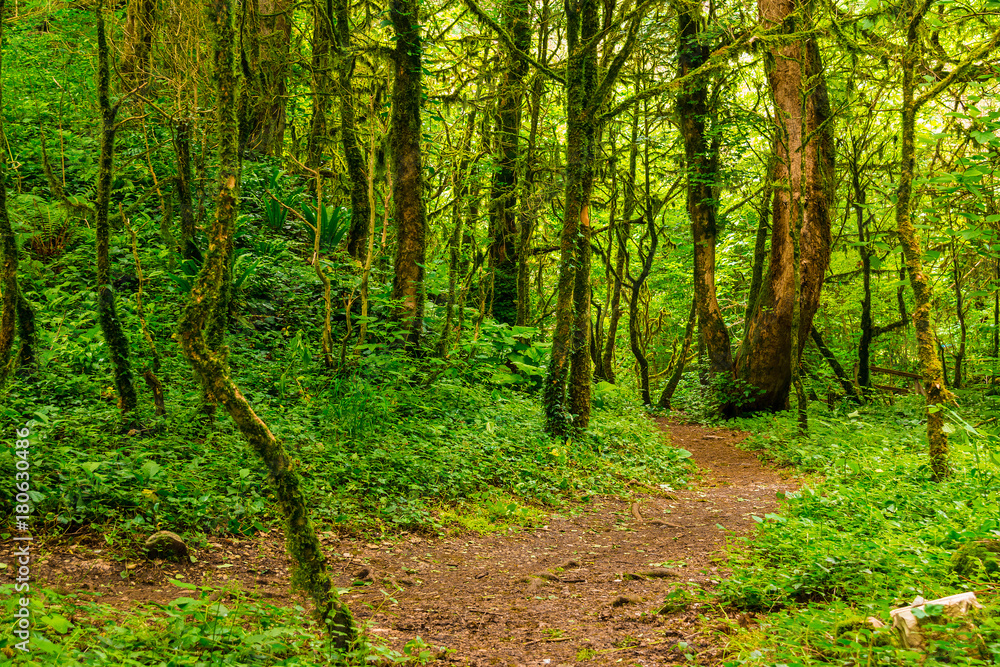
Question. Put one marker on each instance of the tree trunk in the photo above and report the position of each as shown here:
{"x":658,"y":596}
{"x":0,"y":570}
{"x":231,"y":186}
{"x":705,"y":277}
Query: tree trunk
{"x":570,"y":344}
{"x":931,"y":367}
{"x":760,"y":245}
{"x":504,"y":246}
{"x":321,"y":70}
{"x":803,"y":148}
{"x":960,"y":311}
{"x":864,"y":377}
{"x":358,"y":232}
{"x":208,"y":295}
{"x":182,"y":145}
{"x":701,"y":161}
{"x":265,"y":37}
{"x":407,"y":176}
{"x":667,"y":395}
{"x":137,"y":41}
{"x":620,"y":235}
{"x":831,"y":359}
{"x":114,"y":336}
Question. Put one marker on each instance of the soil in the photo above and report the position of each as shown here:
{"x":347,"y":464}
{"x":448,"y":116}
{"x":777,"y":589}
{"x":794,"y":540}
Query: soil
{"x":609,"y":582}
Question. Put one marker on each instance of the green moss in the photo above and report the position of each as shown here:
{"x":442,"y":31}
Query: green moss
{"x":976,"y":558}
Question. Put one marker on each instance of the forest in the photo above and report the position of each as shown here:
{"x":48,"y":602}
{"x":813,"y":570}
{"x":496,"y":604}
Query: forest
{"x":496,"y":332}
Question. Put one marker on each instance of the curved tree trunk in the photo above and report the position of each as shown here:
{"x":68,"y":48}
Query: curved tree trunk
{"x":803,"y":148}
{"x":209,"y":295}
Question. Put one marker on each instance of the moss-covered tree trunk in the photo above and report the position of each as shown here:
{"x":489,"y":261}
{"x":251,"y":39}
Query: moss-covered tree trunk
{"x":570,"y":344}
{"x":407,"y":173}
{"x":114,"y":335}
{"x":357,"y":235}
{"x":701,"y":162}
{"x":621,"y":233}
{"x":931,"y":368}
{"x":210,"y":293}
{"x":265,"y":36}
{"x":803,"y":172}
{"x":137,"y":42}
{"x":185,"y":198}
{"x":503,"y":250}
{"x":566,"y":395}
{"x":322,"y":76}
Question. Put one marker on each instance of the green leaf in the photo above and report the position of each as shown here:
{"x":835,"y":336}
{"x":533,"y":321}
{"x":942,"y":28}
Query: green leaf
{"x":57,"y":622}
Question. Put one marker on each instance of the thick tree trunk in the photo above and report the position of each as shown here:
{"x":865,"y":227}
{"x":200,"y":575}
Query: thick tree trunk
{"x":114,"y":336}
{"x":701,"y":158}
{"x":322,"y":70}
{"x":210,"y":294}
{"x":803,"y":148}
{"x":265,"y":38}
{"x":570,"y":339}
{"x":407,"y":176}
{"x":504,"y":244}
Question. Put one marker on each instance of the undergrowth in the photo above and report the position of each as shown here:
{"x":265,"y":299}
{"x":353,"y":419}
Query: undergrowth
{"x":867,"y":531}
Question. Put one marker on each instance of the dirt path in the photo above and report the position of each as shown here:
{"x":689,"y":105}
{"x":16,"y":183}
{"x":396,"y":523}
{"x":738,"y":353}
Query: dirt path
{"x":584,"y":587}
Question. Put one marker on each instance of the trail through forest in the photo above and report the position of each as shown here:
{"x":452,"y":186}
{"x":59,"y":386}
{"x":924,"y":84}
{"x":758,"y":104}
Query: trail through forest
{"x":586,"y":586}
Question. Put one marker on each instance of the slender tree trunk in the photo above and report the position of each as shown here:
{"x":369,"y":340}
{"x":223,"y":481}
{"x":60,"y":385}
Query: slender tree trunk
{"x":358,"y":179}
{"x":803,"y":148}
{"x":114,"y":336}
{"x":864,"y":249}
{"x":182,"y":145}
{"x":527,"y":182}
{"x":667,"y":395}
{"x":931,"y":367}
{"x":407,"y":284}
{"x":621,"y":232}
{"x":701,"y":158}
{"x":208,"y":295}
{"x":960,"y":312}
{"x":831,"y":359}
{"x":760,"y":244}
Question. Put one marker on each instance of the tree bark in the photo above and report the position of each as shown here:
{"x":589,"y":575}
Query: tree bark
{"x":701,"y":162}
{"x":620,"y":234}
{"x":114,"y":335}
{"x":803,"y":148}
{"x":504,"y":246}
{"x":357,"y":177}
{"x":137,"y":42}
{"x":931,"y":367}
{"x":208,"y":295}
{"x":960,"y":313}
{"x":182,"y":146}
{"x":265,"y":38}
{"x":570,"y":345}
{"x":321,"y":70}
{"x":667,"y":395}
{"x":407,"y":174}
